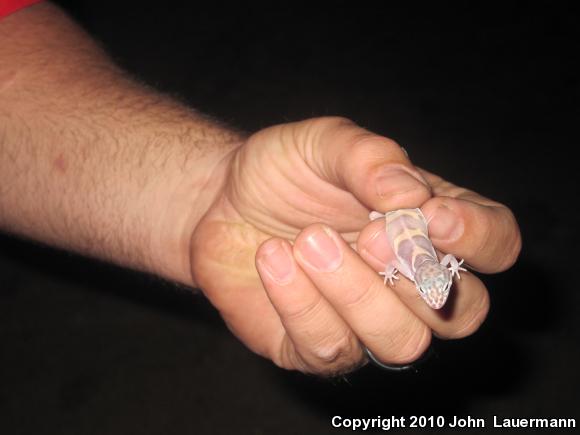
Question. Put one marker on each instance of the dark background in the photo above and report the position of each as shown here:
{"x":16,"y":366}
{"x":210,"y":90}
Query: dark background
{"x":485,"y":97}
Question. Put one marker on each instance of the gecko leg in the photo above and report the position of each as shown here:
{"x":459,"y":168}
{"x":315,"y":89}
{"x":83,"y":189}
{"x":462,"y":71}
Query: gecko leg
{"x":390,"y":274}
{"x":454,"y":265}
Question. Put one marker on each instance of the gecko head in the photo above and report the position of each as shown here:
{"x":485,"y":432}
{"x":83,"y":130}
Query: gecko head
{"x":433,"y":282}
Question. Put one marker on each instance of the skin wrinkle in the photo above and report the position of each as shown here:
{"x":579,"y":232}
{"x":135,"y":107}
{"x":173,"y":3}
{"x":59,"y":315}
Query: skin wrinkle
{"x":309,"y":153}
{"x":322,"y":209}
{"x":362,"y":297}
{"x":287,"y":357}
{"x":305,"y":312}
{"x":338,"y":363}
{"x":237,"y":190}
{"x":301,"y":166}
{"x":229,"y":261}
{"x":258,"y":212}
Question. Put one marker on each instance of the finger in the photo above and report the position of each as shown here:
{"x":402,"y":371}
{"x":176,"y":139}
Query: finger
{"x":373,"y":168}
{"x":483,"y":232}
{"x":317,"y":339}
{"x":380,"y":320}
{"x":486,"y":236}
{"x":468,"y":302}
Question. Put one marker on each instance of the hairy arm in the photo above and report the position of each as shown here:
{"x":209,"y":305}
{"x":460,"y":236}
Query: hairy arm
{"x":94,"y":162}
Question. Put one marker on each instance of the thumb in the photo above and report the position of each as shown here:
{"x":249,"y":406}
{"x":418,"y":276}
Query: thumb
{"x":375,"y":169}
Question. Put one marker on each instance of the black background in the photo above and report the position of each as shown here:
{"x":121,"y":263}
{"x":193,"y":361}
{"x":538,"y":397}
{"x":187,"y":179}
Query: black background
{"x":486,"y":97}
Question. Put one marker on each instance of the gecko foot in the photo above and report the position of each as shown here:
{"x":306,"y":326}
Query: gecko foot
{"x":390,"y":274}
{"x":454,"y":265}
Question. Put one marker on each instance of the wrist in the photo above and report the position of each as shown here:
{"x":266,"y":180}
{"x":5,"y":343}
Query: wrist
{"x":181,"y":202}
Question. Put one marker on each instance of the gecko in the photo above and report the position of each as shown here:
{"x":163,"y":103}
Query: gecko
{"x":415,"y":256}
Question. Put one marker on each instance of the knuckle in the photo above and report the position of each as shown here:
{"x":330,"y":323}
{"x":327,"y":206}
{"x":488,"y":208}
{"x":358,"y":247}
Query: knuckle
{"x":364,"y":145}
{"x":327,"y":124}
{"x":302,"y":312}
{"x":307,"y":136}
{"x":336,"y":121}
{"x":335,"y":356}
{"x":335,"y":350}
{"x":356,"y":138}
{"x":453,"y":191}
{"x":332,"y":120}
{"x":364,"y":295}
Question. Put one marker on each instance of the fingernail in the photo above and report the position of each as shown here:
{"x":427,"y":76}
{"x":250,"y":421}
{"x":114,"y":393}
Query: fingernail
{"x":445,"y":224}
{"x":275,"y":259}
{"x":376,"y":246}
{"x":395,"y":180}
{"x":321,"y":251}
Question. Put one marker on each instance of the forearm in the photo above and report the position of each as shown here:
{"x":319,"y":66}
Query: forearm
{"x":90,"y":160}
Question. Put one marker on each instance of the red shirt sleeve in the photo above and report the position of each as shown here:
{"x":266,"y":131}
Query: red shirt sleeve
{"x":8,"y":7}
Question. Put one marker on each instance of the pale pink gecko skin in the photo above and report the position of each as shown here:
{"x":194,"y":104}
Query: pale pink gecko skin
{"x":416,"y":258}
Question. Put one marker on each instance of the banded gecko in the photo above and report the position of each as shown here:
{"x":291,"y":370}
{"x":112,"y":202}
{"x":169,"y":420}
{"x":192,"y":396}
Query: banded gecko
{"x":415,"y":256}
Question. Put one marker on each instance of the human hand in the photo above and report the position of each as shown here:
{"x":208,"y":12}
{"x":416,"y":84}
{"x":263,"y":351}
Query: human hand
{"x":287,"y":255}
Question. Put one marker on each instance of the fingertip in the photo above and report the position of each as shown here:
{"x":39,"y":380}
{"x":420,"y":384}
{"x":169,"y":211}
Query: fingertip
{"x":275,"y":262}
{"x":418,"y":349}
{"x":516,"y":243}
{"x":375,"y":169}
{"x":445,"y":217}
{"x":479,"y":316}
{"x":319,"y":248}
{"x":396,"y":186}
